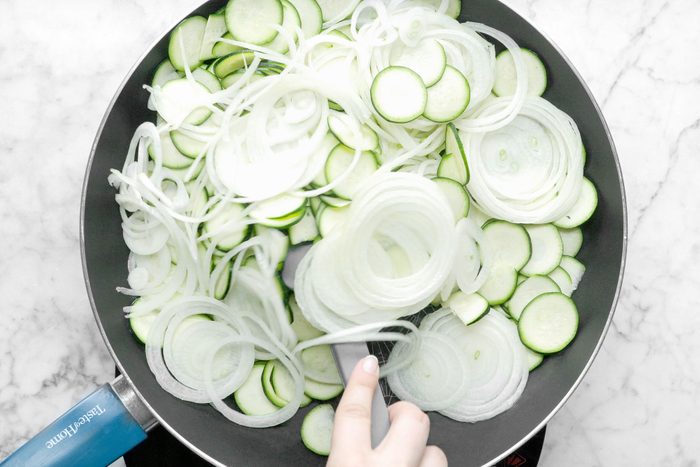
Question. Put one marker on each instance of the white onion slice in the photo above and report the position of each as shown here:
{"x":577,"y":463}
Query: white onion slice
{"x":338,"y":277}
{"x":530,"y":171}
{"x":496,"y":364}
{"x":436,"y":378}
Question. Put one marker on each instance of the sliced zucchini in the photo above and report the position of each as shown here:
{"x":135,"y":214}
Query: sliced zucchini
{"x":305,"y":230}
{"x":172,"y":158}
{"x":453,"y":145}
{"x":534,"y":359}
{"x":207,"y":78}
{"x":232,"y":63}
{"x":268,"y":69}
{"x":468,"y":308}
{"x":563,"y":280}
{"x":450,"y":167}
{"x":500,"y":285}
{"x":547,"y":249}
{"x":211,"y":82}
{"x":337,"y":10}
{"x":448,"y":98}
{"x":428,"y":59}
{"x":164,"y":73}
{"x":316,"y":204}
{"x":398,"y":94}
{"x":279,"y":207}
{"x":337,"y":33}
{"x":269,"y":391}
{"x":352,"y":133}
{"x":311,"y":16}
{"x":214,"y":30}
{"x":182,"y":173}
{"x":186,"y":42}
{"x":327,"y":145}
{"x":303,"y":329}
{"x":279,"y":386}
{"x":575,"y":269}
{"x":334,"y":201}
{"x":183,"y":100}
{"x":338,"y":163}
{"x":583,"y":209}
{"x":141,"y":325}
{"x":278,"y":243}
{"x":572,"y":240}
{"x":328,"y":218}
{"x":250,"y":397}
{"x":347,"y":30}
{"x":506,"y":78}
{"x":187,"y":145}
{"x":549,"y":323}
{"x":457,"y":197}
{"x":233,"y":78}
{"x":478,"y":216}
{"x":321,"y":391}
{"x":234,"y":234}
{"x":320,"y":360}
{"x":222,"y":49}
{"x":285,"y":222}
{"x":527,"y":291}
{"x":254,"y":21}
{"x":509,"y":243}
{"x":317,"y":428}
{"x":290,"y":24}
{"x":224,"y":283}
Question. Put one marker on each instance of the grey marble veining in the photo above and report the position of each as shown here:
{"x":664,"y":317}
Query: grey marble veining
{"x":62,"y":62}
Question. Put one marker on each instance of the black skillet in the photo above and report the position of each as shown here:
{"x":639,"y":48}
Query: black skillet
{"x":219,"y":441}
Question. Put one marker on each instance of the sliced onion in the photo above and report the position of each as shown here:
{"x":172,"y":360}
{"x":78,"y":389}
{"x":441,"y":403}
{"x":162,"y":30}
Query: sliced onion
{"x":477,"y":122}
{"x":495,"y":358}
{"x":436,"y":377}
{"x":339,"y":278}
{"x":472,"y":262}
{"x":161,"y":335}
{"x":530,"y":171}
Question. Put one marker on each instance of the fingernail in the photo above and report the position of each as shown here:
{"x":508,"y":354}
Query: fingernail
{"x":370,"y":364}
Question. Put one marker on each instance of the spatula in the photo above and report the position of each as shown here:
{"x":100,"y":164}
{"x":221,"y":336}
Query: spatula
{"x":346,"y":355}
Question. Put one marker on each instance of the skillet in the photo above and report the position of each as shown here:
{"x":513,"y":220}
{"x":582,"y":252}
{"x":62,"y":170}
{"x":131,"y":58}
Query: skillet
{"x":117,"y":416}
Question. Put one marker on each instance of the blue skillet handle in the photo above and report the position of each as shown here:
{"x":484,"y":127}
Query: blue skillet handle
{"x":95,"y":432}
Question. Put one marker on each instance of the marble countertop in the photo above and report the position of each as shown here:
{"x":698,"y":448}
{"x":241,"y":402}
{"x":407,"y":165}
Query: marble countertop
{"x":62,"y":64}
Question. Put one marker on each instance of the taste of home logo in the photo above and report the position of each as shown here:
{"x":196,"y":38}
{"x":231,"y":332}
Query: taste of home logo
{"x":515,"y":460}
{"x":72,"y":429}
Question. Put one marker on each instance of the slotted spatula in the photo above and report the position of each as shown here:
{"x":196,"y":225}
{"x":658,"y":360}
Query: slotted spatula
{"x":346,"y":355}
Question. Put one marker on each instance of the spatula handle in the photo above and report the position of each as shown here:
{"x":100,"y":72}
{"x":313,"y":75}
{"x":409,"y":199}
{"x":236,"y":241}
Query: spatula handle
{"x":346,"y":357}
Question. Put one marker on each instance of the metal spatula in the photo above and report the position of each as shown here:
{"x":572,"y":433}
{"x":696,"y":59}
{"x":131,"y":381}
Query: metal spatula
{"x":346,"y":355}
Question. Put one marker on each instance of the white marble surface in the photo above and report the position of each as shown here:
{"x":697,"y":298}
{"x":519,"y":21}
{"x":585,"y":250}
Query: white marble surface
{"x":62,"y":61}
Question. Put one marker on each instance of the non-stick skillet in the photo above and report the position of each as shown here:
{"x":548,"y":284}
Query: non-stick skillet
{"x":117,"y":416}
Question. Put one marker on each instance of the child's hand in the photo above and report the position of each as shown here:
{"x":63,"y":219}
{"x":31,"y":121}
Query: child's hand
{"x":404,"y":445}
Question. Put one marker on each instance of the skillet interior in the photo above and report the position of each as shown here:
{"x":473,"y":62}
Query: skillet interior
{"x":217,"y":439}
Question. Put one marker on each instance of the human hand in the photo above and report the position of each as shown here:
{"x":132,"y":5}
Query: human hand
{"x":404,"y":445}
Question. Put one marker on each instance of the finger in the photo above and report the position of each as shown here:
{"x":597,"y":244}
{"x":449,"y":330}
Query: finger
{"x":408,"y":433}
{"x":433,"y":457}
{"x":353,"y":418}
